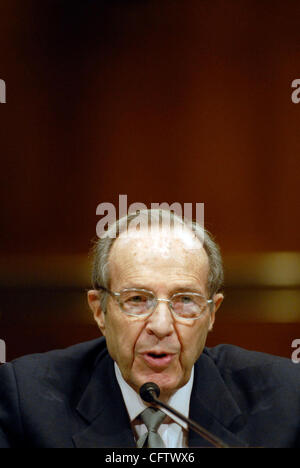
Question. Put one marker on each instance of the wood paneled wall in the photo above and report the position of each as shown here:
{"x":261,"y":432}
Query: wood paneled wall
{"x":163,"y":101}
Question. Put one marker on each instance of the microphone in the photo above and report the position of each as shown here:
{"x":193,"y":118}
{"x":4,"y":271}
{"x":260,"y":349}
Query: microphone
{"x":150,"y":392}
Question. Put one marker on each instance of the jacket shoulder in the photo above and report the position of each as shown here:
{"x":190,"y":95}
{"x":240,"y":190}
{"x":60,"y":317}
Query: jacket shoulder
{"x":39,"y":390}
{"x":254,"y":368}
{"x":63,"y":363}
{"x":235,"y":358}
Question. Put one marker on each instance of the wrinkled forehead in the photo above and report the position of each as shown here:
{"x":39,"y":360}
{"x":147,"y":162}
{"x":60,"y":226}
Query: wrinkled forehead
{"x":159,"y":242}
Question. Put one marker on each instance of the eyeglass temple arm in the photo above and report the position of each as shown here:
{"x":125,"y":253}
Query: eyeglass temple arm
{"x":103,"y":288}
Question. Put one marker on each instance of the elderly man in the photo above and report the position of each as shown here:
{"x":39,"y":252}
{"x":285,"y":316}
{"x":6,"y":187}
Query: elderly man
{"x":156,"y":291}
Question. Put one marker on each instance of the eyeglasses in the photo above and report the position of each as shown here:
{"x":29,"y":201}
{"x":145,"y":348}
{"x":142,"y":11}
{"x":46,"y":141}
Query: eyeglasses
{"x":141,"y":303}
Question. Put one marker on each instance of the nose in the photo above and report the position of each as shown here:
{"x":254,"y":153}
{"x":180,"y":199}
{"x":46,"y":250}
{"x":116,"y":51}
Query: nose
{"x":161,"y":321}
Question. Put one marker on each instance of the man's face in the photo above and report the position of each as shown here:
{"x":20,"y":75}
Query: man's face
{"x":164,"y":262}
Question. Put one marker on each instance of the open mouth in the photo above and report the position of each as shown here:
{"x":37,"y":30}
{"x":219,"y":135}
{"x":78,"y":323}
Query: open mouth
{"x":157,"y":356}
{"x":158,"y":360}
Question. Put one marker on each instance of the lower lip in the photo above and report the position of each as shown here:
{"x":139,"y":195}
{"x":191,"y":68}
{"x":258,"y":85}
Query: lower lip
{"x":159,"y":362}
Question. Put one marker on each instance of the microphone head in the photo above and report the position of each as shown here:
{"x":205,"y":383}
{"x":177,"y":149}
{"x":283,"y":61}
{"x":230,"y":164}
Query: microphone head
{"x":147,"y":390}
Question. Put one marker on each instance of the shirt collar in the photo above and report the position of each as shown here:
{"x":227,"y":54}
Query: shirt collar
{"x":180,"y":400}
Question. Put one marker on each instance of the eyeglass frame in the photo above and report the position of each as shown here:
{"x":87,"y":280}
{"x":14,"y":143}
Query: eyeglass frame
{"x":117,"y":295}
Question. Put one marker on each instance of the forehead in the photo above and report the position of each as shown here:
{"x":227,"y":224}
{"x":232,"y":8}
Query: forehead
{"x":171,"y":252}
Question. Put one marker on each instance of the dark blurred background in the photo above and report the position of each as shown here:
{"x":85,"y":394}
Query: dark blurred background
{"x":183,"y":101}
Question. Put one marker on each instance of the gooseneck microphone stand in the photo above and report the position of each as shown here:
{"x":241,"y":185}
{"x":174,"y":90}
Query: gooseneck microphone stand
{"x":150,"y":392}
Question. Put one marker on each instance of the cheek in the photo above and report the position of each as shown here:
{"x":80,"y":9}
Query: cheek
{"x":121,"y":336}
{"x":193,"y":340}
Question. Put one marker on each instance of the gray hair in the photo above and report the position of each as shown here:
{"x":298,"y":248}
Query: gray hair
{"x":103,"y":245}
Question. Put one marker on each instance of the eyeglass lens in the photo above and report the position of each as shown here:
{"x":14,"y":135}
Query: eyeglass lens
{"x":185,"y":305}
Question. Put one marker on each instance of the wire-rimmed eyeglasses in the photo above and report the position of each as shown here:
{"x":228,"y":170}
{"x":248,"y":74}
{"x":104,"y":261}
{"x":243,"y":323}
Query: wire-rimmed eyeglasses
{"x":141,"y":303}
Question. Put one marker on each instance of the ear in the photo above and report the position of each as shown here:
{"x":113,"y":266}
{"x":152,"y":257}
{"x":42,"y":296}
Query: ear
{"x":93,"y":298}
{"x":218,"y":299}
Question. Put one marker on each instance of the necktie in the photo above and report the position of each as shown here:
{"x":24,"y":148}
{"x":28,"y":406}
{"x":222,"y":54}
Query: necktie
{"x":152,"y":418}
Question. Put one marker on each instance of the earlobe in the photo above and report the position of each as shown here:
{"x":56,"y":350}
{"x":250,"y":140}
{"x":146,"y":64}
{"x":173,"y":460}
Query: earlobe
{"x":95,"y":306}
{"x":211,"y":321}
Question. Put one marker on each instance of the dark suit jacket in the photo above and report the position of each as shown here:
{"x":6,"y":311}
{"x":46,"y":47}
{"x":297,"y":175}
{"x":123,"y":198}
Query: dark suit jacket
{"x":70,"y":398}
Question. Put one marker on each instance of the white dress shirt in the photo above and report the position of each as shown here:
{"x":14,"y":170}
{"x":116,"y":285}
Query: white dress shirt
{"x":172,"y":430}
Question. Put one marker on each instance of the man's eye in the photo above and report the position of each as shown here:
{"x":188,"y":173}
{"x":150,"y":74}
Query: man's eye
{"x":137,"y":299}
{"x":186,"y":299}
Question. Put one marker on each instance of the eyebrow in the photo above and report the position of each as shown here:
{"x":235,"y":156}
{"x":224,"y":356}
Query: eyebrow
{"x":174,"y":290}
{"x":187,"y":289}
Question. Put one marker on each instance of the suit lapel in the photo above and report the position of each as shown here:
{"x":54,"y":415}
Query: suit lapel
{"x":103,"y":408}
{"x":213,"y":406}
